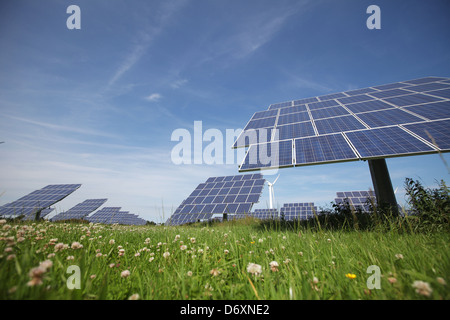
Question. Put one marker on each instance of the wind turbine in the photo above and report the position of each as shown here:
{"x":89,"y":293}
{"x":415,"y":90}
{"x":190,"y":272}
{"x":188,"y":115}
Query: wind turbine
{"x":271,"y":194}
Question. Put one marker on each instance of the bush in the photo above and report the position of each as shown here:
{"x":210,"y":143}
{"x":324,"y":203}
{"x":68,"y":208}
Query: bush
{"x":431,"y":207}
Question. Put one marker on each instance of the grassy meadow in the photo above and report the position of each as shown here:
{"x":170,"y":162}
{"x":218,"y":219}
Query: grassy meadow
{"x":235,"y":260}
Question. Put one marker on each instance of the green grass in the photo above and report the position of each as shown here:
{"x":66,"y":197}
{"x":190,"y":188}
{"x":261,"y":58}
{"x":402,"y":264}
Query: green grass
{"x":313,"y":262}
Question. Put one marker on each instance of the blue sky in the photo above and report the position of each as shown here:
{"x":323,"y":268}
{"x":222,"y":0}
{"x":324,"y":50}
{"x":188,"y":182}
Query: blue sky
{"x":98,"y":106}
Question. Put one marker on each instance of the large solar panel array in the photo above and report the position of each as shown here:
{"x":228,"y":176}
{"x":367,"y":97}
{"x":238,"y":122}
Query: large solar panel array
{"x":298,"y":211}
{"x":110,"y":215}
{"x":262,"y":214}
{"x":219,"y":195}
{"x":124,"y":217}
{"x":80,"y":211}
{"x":358,"y":200}
{"x":397,"y":119}
{"x":37,"y":200}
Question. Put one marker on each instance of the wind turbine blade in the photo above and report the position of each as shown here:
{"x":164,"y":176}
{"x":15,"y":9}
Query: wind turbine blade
{"x":276,"y":179}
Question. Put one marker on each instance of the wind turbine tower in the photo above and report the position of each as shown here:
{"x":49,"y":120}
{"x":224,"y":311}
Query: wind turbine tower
{"x":271,"y":193}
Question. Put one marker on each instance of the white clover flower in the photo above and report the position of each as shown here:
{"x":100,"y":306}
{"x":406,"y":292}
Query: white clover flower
{"x":166,"y":254}
{"x":125,"y":274}
{"x":134,"y":297}
{"x":423,"y":288}
{"x":274,"y":266}
{"x":254,"y":268}
{"x":76,"y":245}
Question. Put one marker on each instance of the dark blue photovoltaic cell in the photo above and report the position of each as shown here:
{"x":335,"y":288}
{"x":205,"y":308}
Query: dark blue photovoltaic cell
{"x":411,"y":99}
{"x":303,"y":101}
{"x":280,"y":105}
{"x":429,"y":86}
{"x":387,"y":117}
{"x":264,"y":114}
{"x":326,"y":148}
{"x":299,"y":108}
{"x":268,"y":155}
{"x":354,"y":99}
{"x":365,"y":106}
{"x":332,"y":96}
{"x":390,"y":93}
{"x":384,"y":142}
{"x":338,"y":124}
{"x":296,"y":130}
{"x":253,"y":136}
{"x":328,"y":112}
{"x":293,"y":117}
{"x":432,"y":111}
{"x":360,"y":91}
{"x":261,"y":123}
{"x":436,"y":132}
{"x":322,"y":104}
{"x":445,"y":93}
{"x":392,"y":86}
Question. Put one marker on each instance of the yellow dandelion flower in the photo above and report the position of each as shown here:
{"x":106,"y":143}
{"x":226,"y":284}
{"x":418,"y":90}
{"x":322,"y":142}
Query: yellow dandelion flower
{"x":351,"y":275}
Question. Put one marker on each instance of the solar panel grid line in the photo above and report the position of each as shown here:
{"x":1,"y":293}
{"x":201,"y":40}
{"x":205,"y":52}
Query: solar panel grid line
{"x":312,"y":120}
{"x":353,"y":114}
{"x":387,"y":117}
{"x":280,"y":105}
{"x":441,"y":93}
{"x":430,"y":143}
{"x":436,"y":132}
{"x":279,"y":155}
{"x":387,"y":142}
{"x":432,"y":111}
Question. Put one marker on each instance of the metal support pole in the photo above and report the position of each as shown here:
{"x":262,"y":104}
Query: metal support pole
{"x":382,"y":185}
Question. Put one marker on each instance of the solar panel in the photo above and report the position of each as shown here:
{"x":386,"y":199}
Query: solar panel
{"x":219,"y":195}
{"x":298,"y":211}
{"x":80,"y":210}
{"x":386,"y":142}
{"x":375,"y":122}
{"x":37,"y":200}
{"x":268,"y":155}
{"x":435,"y":132}
{"x":103,"y":215}
{"x":357,"y":200}
{"x":321,"y":149}
{"x":265,"y":214}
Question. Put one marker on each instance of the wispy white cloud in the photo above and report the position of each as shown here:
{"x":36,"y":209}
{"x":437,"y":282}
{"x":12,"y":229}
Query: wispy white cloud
{"x":153,"y":97}
{"x":61,"y":128}
{"x":145,"y":38}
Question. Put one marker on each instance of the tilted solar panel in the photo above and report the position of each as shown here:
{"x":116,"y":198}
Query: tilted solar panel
{"x":376,"y":122}
{"x":219,"y":195}
{"x":80,"y":210}
{"x":356,"y":200}
{"x":38,"y":200}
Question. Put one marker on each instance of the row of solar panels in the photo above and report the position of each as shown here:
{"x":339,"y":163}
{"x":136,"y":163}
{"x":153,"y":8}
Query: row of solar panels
{"x":404,"y":118}
{"x":38,"y":203}
{"x":358,"y":200}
